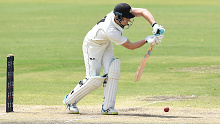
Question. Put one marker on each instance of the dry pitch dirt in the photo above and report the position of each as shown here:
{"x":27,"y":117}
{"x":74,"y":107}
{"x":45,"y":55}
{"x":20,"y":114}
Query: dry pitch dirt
{"x":91,"y":114}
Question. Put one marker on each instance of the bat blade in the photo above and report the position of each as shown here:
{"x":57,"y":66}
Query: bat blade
{"x":143,"y":63}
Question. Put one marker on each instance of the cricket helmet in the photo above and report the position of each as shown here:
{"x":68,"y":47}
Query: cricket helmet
{"x":123,"y":10}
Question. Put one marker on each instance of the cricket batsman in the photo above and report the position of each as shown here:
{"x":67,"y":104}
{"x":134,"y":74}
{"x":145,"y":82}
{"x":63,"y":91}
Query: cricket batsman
{"x":98,"y":51}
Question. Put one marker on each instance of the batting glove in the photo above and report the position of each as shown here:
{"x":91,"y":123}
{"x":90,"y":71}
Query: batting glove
{"x":159,"y":38}
{"x":150,"y":39}
{"x":157,"y":30}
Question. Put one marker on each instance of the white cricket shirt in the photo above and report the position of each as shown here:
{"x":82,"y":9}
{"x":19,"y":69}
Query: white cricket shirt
{"x":107,"y":30}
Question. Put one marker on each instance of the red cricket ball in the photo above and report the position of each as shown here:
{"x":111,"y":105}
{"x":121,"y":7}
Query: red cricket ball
{"x":166,"y":109}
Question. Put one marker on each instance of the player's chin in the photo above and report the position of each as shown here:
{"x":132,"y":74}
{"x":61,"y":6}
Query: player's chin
{"x":126,"y":24}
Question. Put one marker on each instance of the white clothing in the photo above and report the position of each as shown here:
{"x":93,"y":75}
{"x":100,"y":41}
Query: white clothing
{"x":97,"y":46}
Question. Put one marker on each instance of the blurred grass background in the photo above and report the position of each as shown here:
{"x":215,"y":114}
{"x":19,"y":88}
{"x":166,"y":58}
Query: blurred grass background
{"x":46,"y":38}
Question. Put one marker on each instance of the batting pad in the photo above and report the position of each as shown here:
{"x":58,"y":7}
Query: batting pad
{"x":110,"y":88}
{"x":79,"y":85}
{"x":90,"y":85}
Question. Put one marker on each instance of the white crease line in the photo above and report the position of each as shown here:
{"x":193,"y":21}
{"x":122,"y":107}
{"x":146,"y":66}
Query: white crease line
{"x":133,"y":107}
{"x":149,"y":103}
{"x":97,"y":115}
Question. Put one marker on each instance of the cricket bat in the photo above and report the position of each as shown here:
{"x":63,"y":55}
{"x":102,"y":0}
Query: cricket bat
{"x":143,"y":62}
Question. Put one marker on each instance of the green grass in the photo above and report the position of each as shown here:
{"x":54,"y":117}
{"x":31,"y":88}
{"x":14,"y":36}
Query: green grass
{"x":46,"y":39}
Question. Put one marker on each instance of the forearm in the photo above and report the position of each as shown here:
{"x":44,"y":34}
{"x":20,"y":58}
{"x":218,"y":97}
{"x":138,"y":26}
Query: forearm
{"x":134,"y":45}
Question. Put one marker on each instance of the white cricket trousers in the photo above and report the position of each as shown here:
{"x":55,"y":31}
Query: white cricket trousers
{"x":97,"y":55}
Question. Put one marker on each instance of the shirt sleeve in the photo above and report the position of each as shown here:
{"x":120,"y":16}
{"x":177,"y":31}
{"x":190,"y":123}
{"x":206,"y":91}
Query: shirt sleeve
{"x":116,"y":37}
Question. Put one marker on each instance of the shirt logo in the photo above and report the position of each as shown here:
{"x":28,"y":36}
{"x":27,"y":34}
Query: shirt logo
{"x":92,"y":58}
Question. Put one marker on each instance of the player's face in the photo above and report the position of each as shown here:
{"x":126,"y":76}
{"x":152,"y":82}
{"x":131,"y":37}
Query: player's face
{"x":125,"y":21}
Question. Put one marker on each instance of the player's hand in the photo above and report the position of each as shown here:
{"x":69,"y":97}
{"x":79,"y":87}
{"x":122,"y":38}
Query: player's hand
{"x":150,"y":39}
{"x":159,"y":38}
{"x":158,"y":30}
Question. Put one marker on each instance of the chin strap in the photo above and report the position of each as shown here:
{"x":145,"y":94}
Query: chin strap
{"x":120,"y":20}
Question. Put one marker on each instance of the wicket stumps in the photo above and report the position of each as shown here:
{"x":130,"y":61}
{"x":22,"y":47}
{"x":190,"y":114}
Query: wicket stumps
{"x":10,"y":83}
